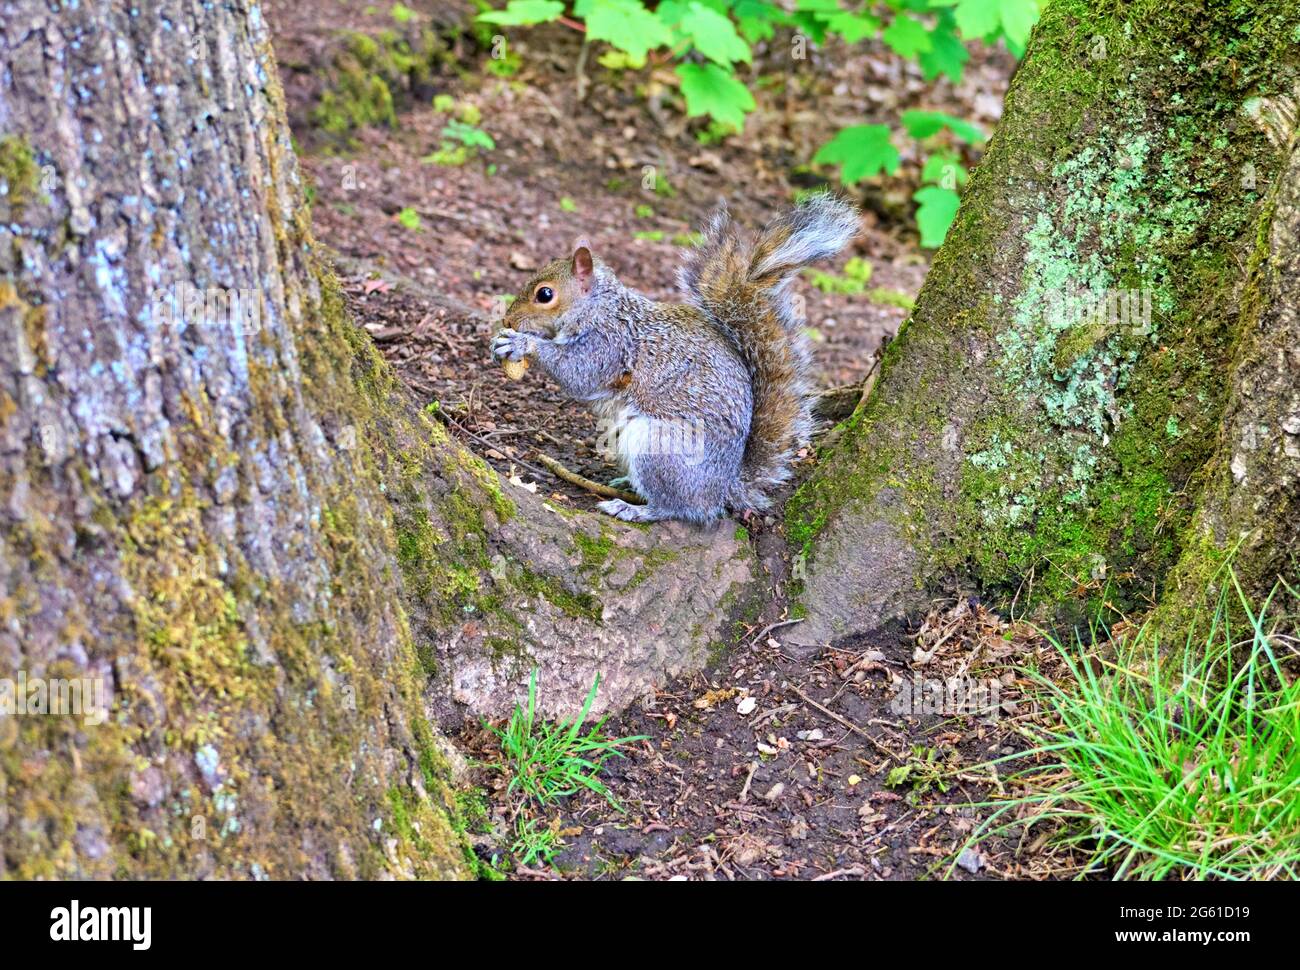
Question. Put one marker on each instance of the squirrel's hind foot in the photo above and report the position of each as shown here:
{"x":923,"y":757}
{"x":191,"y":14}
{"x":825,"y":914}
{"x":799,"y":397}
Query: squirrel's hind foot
{"x":631,"y":513}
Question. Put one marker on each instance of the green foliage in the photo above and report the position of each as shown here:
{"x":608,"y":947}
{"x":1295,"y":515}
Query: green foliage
{"x":709,"y":90}
{"x":535,"y":842}
{"x":409,"y":219}
{"x":547,"y":761}
{"x":461,"y":139}
{"x":857,"y":273}
{"x":937,"y":207}
{"x":862,"y":151}
{"x":468,"y":135}
{"x":711,"y":39}
{"x":1179,"y":764}
{"x":523,"y":13}
{"x":711,"y":33}
{"x":922,"y":771}
{"x":947,"y":54}
{"x":923,"y":124}
{"x":945,"y":170}
{"x":625,"y":24}
{"x":1013,"y":19}
{"x":907,"y":38}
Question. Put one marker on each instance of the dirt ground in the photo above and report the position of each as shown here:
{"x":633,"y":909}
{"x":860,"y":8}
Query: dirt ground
{"x":767,"y":765}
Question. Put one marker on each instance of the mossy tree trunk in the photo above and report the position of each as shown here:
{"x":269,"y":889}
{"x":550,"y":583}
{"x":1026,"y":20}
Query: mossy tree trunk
{"x":1248,"y":511}
{"x":217,"y":507}
{"x":1106,"y":316}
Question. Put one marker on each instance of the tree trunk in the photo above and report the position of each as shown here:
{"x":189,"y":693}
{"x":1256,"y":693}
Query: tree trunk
{"x":217,"y":506}
{"x":1047,"y":422}
{"x":1248,"y":513}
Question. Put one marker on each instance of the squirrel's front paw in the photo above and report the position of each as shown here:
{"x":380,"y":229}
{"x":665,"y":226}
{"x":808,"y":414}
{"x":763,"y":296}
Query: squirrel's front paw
{"x":512,"y":345}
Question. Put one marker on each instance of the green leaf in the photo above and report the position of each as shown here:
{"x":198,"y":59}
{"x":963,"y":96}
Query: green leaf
{"x":468,"y":135}
{"x":986,"y":18}
{"x":672,"y":11}
{"x":938,"y":208}
{"x":907,"y":37}
{"x":862,"y":151}
{"x":756,"y":19}
{"x":945,"y":170}
{"x":1018,"y":19}
{"x":521,"y":13}
{"x":409,"y":218}
{"x":709,"y":90}
{"x":810,"y":16}
{"x":923,"y":124}
{"x":626,"y":24}
{"x":620,"y":61}
{"x":714,"y":35}
{"x":978,"y":18}
{"x":402,"y":13}
{"x":853,"y":27}
{"x":947,"y":55}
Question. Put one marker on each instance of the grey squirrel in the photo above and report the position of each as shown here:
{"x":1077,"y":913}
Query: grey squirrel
{"x":709,"y":399}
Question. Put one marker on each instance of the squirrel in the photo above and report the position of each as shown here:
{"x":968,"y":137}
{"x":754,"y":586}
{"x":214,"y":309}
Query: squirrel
{"x":709,"y":399}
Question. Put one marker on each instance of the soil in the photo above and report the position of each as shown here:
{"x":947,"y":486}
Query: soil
{"x":426,"y":252}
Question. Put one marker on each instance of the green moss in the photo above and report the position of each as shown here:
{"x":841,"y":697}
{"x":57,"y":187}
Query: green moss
{"x":650,"y":562}
{"x":594,"y":550}
{"x":20,"y":176}
{"x":209,"y":654}
{"x":1119,"y":163}
{"x":581,"y":605}
{"x":371,"y":74}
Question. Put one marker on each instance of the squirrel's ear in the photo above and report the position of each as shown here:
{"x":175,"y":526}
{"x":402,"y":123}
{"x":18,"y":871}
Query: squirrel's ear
{"x":582,"y":268}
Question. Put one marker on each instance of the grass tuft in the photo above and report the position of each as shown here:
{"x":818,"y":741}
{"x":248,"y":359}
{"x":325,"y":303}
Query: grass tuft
{"x":1183,"y":765}
{"x":546,"y":762}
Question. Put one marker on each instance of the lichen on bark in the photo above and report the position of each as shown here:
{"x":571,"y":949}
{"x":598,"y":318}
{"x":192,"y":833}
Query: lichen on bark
{"x":1017,"y":440}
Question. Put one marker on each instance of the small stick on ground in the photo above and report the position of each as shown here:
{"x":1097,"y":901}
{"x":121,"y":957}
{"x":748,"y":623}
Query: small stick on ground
{"x":848,"y":724}
{"x":774,"y":626}
{"x":858,"y":871}
{"x":573,"y":478}
{"x":749,"y":780}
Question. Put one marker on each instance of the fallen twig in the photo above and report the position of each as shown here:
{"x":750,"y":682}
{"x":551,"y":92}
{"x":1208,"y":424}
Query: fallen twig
{"x":749,"y":779}
{"x":573,"y":478}
{"x":842,"y":722}
{"x":858,"y":871}
{"x":774,"y":626}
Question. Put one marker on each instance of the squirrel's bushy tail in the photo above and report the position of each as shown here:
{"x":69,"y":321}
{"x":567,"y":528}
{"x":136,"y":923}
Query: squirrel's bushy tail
{"x":743,"y":287}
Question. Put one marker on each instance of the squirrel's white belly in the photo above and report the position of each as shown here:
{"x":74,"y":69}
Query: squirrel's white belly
{"x":628,"y":436}
{"x":625,"y":433}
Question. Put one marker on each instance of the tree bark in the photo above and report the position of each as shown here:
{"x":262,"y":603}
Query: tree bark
{"x":234,"y":522}
{"x":1047,"y":422}
{"x":1248,"y":514}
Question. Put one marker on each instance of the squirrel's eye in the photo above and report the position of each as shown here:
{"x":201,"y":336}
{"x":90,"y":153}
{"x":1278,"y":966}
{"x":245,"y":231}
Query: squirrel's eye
{"x":544,"y":294}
